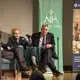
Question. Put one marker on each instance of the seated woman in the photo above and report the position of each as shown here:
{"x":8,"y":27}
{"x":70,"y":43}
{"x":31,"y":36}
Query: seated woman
{"x":14,"y":45}
{"x":17,"y":53}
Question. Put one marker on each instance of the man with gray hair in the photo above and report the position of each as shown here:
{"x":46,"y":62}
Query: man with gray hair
{"x":45,"y":41}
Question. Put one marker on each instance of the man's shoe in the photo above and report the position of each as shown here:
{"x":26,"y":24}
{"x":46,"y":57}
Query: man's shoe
{"x":34,"y":67}
{"x":57,"y":73}
{"x":25,"y":75}
{"x":43,"y":70}
{"x":25,"y":68}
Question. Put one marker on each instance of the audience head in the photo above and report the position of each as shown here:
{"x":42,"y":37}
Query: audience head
{"x":16,"y":33}
{"x":44,"y":29}
{"x":78,"y":76}
{"x":37,"y":75}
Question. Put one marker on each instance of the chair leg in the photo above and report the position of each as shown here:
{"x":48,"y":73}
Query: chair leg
{"x":0,"y":74}
{"x":15,"y":72}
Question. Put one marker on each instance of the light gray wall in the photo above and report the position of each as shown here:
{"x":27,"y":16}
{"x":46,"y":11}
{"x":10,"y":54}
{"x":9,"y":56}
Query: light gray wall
{"x":16,"y":13}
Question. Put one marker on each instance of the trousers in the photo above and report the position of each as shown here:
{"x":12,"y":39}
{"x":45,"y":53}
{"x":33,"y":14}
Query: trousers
{"x":16,"y":53}
{"x":45,"y":59}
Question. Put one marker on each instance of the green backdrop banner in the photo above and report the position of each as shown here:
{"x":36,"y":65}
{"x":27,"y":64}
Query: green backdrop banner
{"x":50,"y":12}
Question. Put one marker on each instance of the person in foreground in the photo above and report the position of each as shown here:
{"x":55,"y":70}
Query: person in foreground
{"x":37,"y":75}
{"x":77,"y":76}
{"x":45,"y":41}
{"x":15,"y":46}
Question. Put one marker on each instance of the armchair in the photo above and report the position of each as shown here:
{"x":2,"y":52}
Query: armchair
{"x":4,"y":63}
{"x":8,"y":65}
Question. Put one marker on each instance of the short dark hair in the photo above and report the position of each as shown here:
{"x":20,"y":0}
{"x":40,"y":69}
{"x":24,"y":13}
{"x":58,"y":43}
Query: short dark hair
{"x":37,"y":75}
{"x":78,"y":76}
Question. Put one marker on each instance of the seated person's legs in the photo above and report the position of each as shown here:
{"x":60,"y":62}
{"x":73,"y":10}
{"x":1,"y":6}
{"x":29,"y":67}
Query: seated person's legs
{"x":26,"y":56}
{"x":50,"y":63}
{"x":34,"y":64}
{"x":34,"y":60}
{"x":31,"y":56}
{"x":7,"y":55}
{"x":34,"y":57}
{"x":18,"y":54}
{"x":42,"y":62}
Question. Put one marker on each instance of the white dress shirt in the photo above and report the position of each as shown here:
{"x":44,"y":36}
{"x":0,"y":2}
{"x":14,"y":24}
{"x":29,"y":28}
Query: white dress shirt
{"x":41,"y":41}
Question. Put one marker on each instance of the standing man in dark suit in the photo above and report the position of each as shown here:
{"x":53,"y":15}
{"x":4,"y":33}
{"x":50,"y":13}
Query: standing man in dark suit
{"x":45,"y":41}
{"x":15,"y":42}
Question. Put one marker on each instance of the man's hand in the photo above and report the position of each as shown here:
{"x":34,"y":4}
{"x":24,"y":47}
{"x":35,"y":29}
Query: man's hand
{"x":20,"y":46}
{"x":1,"y":48}
{"x":8,"y":48}
{"x":48,"y":45}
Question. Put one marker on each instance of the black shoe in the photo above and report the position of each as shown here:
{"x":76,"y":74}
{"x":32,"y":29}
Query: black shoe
{"x":25,"y":68}
{"x":25,"y":75}
{"x":43,"y":70}
{"x":57,"y":73}
{"x":34,"y":67}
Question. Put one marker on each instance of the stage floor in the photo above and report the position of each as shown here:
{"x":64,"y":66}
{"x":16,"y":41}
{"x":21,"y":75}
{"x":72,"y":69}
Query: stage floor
{"x":48,"y":76}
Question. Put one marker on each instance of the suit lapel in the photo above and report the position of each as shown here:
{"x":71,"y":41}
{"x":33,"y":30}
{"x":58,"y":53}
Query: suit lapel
{"x":20,"y":40}
{"x":39,"y":35}
{"x":14,"y":40}
{"x":47,"y":38}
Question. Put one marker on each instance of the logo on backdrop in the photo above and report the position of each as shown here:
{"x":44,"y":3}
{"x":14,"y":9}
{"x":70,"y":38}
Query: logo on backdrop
{"x":76,"y":4}
{"x":51,"y":19}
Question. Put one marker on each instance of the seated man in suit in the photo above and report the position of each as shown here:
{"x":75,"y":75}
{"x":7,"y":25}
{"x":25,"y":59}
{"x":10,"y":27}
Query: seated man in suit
{"x":45,"y":41}
{"x":15,"y":43}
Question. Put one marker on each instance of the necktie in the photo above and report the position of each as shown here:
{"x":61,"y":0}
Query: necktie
{"x":44,"y":41}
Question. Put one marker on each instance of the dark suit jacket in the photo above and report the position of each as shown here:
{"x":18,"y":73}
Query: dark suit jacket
{"x":36,"y":38}
{"x":49,"y":40}
{"x":12,"y":42}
